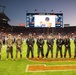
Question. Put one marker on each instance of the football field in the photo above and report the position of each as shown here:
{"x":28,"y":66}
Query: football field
{"x":20,"y":66}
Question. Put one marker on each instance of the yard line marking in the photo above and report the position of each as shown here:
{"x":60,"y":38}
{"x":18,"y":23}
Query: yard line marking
{"x":33,"y":65}
{"x":44,"y":68}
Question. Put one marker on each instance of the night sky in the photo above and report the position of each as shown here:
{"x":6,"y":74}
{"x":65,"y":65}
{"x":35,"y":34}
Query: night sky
{"x":16,"y":9}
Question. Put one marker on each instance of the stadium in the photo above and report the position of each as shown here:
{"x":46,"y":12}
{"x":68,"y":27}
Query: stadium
{"x":38,"y":25}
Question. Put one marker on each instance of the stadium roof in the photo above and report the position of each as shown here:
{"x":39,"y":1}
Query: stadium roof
{"x":4,"y":17}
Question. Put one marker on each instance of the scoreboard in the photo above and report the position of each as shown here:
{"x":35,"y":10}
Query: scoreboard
{"x":44,"y":19}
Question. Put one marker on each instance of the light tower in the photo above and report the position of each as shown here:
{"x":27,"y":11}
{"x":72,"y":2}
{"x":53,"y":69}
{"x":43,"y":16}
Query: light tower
{"x":3,"y":8}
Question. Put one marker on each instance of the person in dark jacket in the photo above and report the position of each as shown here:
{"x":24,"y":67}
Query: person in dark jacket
{"x":50,"y":42}
{"x":59,"y":43}
{"x":40,"y":44}
{"x":30,"y":43}
{"x":75,"y":47}
{"x":67,"y":46}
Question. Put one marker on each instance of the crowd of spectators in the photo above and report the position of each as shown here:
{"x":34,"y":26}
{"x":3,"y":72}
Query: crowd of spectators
{"x":15,"y":30}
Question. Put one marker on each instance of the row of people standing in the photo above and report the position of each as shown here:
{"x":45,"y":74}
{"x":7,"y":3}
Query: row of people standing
{"x":50,"y":42}
{"x":9,"y":43}
{"x":40,"y":43}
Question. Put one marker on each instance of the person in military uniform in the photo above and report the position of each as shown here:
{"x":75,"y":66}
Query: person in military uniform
{"x":9,"y":43}
{"x":40,"y":43}
{"x":59,"y":43}
{"x":75,"y":47}
{"x":0,"y":47}
{"x":19,"y":46}
{"x":67,"y":46}
{"x":50,"y":42}
{"x":30,"y":43}
{"x":3,"y":39}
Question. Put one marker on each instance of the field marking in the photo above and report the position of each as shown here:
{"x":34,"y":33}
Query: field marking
{"x":27,"y":68}
{"x":51,"y":71}
{"x":33,"y":65}
{"x":71,"y":65}
{"x":52,"y":60}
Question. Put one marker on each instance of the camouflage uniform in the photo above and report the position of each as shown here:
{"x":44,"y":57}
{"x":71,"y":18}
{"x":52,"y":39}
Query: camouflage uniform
{"x":9,"y":43}
{"x":19,"y":47}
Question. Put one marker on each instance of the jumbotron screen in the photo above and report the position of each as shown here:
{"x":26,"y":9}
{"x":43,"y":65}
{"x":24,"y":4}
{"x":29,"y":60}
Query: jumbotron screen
{"x":44,"y":20}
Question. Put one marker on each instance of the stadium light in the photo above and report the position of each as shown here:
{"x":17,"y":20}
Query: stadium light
{"x":26,"y":11}
{"x":51,"y":10}
{"x":44,"y":10}
{"x":3,"y":8}
{"x":35,"y":10}
{"x":60,"y":11}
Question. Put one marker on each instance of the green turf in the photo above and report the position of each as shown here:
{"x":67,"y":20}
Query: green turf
{"x":12,"y":67}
